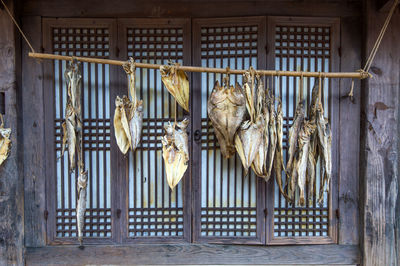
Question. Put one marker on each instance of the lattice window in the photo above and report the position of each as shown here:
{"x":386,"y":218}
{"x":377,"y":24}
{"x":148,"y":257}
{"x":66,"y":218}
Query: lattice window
{"x":306,"y":48}
{"x":154,"y":210}
{"x":228,"y":200}
{"x":94,"y":42}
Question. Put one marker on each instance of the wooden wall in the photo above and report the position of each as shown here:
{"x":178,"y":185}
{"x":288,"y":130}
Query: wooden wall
{"x":11,"y":183}
{"x":379,"y":167}
{"x":375,"y":160}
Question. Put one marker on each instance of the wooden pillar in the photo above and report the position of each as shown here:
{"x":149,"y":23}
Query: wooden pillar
{"x":11,"y":180}
{"x":379,"y":150}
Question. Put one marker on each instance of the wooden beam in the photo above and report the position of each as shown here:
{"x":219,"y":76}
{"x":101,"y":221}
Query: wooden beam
{"x":349,"y":133}
{"x":191,"y":8}
{"x":34,"y":142}
{"x":379,"y":167}
{"x":194,"y":254}
{"x":11,"y":181}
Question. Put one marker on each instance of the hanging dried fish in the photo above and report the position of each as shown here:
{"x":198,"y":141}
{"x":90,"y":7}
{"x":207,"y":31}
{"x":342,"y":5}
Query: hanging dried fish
{"x":247,"y":141}
{"x":73,"y":138}
{"x":272,"y":135}
{"x":306,"y":131}
{"x":325,"y":147}
{"x":121,"y":124}
{"x":259,"y":164}
{"x":5,"y":142}
{"x":81,"y":206}
{"x":226,"y":110}
{"x":313,"y":147}
{"x":177,"y":83}
{"x":128,"y":116}
{"x":293,"y":136}
{"x":250,"y":134}
{"x":72,"y":125}
{"x":175,"y":151}
{"x":279,"y":165}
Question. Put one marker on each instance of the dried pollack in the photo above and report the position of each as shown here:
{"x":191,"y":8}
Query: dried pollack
{"x":226,"y":110}
{"x":128,"y":116}
{"x":175,"y":151}
{"x":250,"y":134}
{"x":177,"y":83}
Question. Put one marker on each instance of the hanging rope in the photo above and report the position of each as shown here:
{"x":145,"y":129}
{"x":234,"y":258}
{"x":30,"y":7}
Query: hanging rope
{"x":371,"y":57}
{"x":16,"y":24}
{"x":378,"y":41}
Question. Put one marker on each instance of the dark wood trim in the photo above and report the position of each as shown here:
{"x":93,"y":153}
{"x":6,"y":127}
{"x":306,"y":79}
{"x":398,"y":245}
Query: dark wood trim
{"x":350,"y":59}
{"x":33,"y":138}
{"x":195,"y":254}
{"x":193,"y":9}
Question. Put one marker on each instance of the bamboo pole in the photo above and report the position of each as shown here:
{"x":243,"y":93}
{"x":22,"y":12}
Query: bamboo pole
{"x":360,"y":74}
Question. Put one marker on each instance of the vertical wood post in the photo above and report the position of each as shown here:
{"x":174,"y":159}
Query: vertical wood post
{"x":11,"y":181}
{"x":379,"y":150}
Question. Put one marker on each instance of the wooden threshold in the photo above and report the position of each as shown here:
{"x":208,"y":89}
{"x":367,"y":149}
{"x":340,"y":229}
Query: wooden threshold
{"x":194,"y":254}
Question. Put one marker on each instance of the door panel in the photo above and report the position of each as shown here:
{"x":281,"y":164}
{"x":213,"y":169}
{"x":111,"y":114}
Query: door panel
{"x":154,"y":211}
{"x":228,"y":205}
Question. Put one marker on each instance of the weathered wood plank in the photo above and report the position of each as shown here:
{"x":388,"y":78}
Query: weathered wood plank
{"x":33,"y":138}
{"x":379,"y":144}
{"x":349,"y":133}
{"x":11,"y":182}
{"x":190,"y":8}
{"x":193,"y":254}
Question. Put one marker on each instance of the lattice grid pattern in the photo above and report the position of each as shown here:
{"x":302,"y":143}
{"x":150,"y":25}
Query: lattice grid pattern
{"x":92,"y":42}
{"x":154,"y":210}
{"x":304,"y":48}
{"x":228,"y":198}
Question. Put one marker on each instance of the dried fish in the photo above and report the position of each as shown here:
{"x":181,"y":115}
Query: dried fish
{"x":128,"y":116}
{"x":247,"y":141}
{"x":177,"y":83}
{"x":70,"y":126}
{"x":279,"y":165}
{"x":293,"y":135}
{"x":121,"y":124}
{"x":250,"y":135}
{"x":5,"y":142}
{"x":259,"y":164}
{"x":306,"y":131}
{"x":325,"y":147}
{"x":272,"y":135}
{"x":226,"y":110}
{"x":81,"y":206}
{"x":175,"y":151}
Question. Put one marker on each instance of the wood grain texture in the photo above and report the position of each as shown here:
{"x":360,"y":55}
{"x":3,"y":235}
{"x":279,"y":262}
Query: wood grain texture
{"x":193,"y":254}
{"x":379,"y":144}
{"x":33,"y":138}
{"x":349,"y":133}
{"x":11,"y":182}
{"x":190,"y":8}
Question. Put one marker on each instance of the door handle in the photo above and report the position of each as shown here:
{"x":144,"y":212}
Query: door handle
{"x":197,"y":135}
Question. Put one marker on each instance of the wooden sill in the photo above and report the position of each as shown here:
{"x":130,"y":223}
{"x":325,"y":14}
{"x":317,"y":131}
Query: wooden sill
{"x":194,"y":254}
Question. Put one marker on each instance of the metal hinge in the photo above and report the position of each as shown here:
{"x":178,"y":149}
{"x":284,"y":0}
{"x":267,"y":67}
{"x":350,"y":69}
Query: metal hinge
{"x":45,"y":214}
{"x":265,"y":212}
{"x":117,"y":51}
{"x":337,"y":213}
{"x":340,"y":51}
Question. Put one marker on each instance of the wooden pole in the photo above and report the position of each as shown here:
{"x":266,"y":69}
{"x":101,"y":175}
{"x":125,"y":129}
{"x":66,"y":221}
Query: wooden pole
{"x":360,"y":75}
